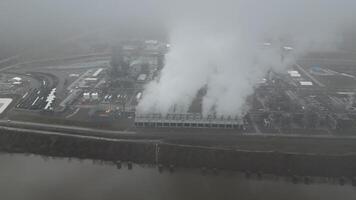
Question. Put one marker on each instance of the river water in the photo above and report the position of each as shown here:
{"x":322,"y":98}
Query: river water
{"x":39,"y":178}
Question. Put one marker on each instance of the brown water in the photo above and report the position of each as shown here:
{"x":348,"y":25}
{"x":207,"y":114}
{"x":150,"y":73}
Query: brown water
{"x":33,"y":177}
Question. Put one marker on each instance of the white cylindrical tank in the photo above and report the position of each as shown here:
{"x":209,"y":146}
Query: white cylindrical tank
{"x":95,"y":96}
{"x":86,"y":95}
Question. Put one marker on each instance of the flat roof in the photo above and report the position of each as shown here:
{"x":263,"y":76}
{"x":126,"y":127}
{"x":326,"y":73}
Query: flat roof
{"x":346,"y":93}
{"x":267,"y":44}
{"x":293,"y":72}
{"x":97,"y":72}
{"x":17,"y":78}
{"x":295,"y":75}
{"x":17,"y":83}
{"x":306,"y":83}
{"x":288,"y":48}
{"x":142,"y":77}
{"x":4,"y":103}
{"x":91,"y":79}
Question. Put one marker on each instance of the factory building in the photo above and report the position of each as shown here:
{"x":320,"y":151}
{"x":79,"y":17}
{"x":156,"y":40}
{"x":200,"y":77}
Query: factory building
{"x":4,"y":103}
{"x":86,"y":96}
{"x":138,"y":67}
{"x":119,"y":66}
{"x":95,"y":96}
{"x":142,"y":78}
{"x":188,"y":120}
{"x":97,"y":72}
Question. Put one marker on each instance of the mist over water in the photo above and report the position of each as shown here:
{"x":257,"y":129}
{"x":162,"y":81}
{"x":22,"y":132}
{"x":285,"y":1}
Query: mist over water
{"x":31,"y":177}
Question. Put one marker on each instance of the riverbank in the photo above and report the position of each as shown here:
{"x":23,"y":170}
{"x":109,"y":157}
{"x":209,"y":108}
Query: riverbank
{"x":158,"y":152}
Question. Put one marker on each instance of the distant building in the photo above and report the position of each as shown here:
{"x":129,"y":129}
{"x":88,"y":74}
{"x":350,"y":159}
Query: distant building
{"x":119,"y":65}
{"x":142,"y":77}
{"x":4,"y":103}
{"x":91,"y":80}
{"x":306,"y":83}
{"x":95,"y":96}
{"x":18,"y":79}
{"x":188,"y":120}
{"x":86,"y":95}
{"x":97,"y":72}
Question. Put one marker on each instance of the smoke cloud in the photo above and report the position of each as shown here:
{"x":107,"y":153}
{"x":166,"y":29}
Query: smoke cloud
{"x":219,"y":45}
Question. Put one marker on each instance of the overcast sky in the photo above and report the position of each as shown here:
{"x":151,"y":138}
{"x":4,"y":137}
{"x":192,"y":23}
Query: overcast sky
{"x":28,"y":21}
{"x":23,"y":20}
{"x":214,"y":42}
{"x":217,"y":44}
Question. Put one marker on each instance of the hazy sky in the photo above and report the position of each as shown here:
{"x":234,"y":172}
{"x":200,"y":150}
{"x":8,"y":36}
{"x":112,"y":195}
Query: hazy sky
{"x":215,"y":43}
{"x":26,"y":20}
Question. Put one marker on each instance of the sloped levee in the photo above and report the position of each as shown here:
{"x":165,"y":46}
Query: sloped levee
{"x":156,"y":152}
{"x":284,"y":164}
{"x":78,"y":147}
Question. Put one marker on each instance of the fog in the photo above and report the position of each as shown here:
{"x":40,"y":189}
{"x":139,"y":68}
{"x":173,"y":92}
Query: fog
{"x":214,"y":44}
{"x":42,"y":26}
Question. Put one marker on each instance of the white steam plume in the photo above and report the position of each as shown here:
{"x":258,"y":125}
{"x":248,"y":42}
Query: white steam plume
{"x":217,"y":44}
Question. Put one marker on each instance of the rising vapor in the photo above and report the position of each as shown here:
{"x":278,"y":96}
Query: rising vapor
{"x":218,"y":45}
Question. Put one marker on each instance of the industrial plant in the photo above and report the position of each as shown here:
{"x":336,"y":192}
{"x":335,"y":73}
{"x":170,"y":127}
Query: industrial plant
{"x":156,"y":99}
{"x":308,"y":98}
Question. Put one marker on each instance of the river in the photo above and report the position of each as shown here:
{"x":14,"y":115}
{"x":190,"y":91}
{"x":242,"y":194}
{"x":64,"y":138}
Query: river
{"x":35,"y":177}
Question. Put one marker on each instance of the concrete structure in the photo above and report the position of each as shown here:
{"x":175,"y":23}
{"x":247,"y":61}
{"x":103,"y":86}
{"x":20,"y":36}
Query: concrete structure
{"x":288,"y":48}
{"x":142,"y":77}
{"x":188,"y":120}
{"x":17,"y":83}
{"x":95,"y":96}
{"x":4,"y":103}
{"x":91,"y":80}
{"x":306,"y":83}
{"x":86,"y":95}
{"x":294,"y":73}
{"x":97,"y":72}
{"x":118,"y":64}
{"x":16,"y":79}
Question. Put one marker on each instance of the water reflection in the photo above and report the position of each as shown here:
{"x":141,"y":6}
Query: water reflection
{"x":36,"y":177}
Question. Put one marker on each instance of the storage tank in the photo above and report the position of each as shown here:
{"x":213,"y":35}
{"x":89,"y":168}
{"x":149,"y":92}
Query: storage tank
{"x":95,"y":96}
{"x":86,"y":95}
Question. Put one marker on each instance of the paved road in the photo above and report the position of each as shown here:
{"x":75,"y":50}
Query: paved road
{"x":79,"y":57}
{"x":63,"y":128}
{"x":29,"y":131}
{"x":8,"y":59}
{"x":310,"y":76}
{"x":165,"y":133}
